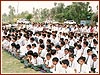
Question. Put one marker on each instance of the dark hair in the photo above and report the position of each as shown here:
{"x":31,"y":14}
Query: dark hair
{"x":53,"y":52}
{"x":71,"y":50}
{"x":48,"y":40}
{"x":35,"y":54}
{"x":30,"y":52}
{"x":55,"y":59}
{"x":29,"y":46}
{"x":61,"y":39}
{"x":52,"y":44}
{"x":66,"y":49}
{"x":48,"y":54}
{"x":79,"y":46}
{"x":94,"y":55}
{"x":66,"y":39}
{"x":71,"y":55}
{"x":63,"y":43}
{"x":89,"y":50}
{"x":86,"y":43}
{"x":17,"y":46}
{"x":58,"y":46}
{"x":65,"y":62}
{"x":34,"y":44}
{"x":44,"y":35}
{"x":82,"y":58}
{"x":49,"y":46}
{"x":32,"y":39}
{"x":41,"y":41}
{"x":13,"y":44}
{"x":42,"y":46}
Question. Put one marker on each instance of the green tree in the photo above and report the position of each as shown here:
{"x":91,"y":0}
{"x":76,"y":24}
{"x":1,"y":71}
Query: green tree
{"x":29,"y":16}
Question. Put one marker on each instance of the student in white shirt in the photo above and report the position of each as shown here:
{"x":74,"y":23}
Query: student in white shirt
{"x":78,"y":52}
{"x":56,"y":67}
{"x":71,"y":42}
{"x":47,"y":63}
{"x":65,"y":55}
{"x":42,"y":52}
{"x":66,"y":43}
{"x":85,"y":48}
{"x":53,"y":54}
{"x":65,"y":67}
{"x":36,"y":62}
{"x":82,"y":67}
{"x":27,"y":59}
{"x":62,"y":44}
{"x":88,"y":57}
{"x":94,"y":63}
{"x":34,"y":48}
{"x":72,"y":62}
{"x":59,"y":52}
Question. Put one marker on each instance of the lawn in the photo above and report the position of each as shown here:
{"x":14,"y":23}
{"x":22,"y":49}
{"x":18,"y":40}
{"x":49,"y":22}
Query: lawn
{"x":12,"y":65}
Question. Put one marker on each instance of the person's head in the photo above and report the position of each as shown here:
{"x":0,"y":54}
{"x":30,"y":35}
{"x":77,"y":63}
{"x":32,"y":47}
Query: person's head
{"x":94,"y":57}
{"x":71,"y":51}
{"x":31,"y":39}
{"x":52,"y":44}
{"x":53,"y":52}
{"x":43,"y":35}
{"x":55,"y":60}
{"x":41,"y":41}
{"x":35,"y":55}
{"x":54,"y":36}
{"x":41,"y":47}
{"x":30,"y":53}
{"x":58,"y":47}
{"x":28,"y":47}
{"x":33,"y":45}
{"x":65,"y":63}
{"x":81,"y":60}
{"x":3,"y":37}
{"x":95,"y":42}
{"x":18,"y":37}
{"x":61,"y":39}
{"x":71,"y":57}
{"x":48,"y":56}
{"x":66,"y":41}
{"x":89,"y":52}
{"x":14,"y":39}
{"x":85,"y":44}
{"x":17,"y":46}
{"x":62,"y":44}
{"x":66,"y":51}
{"x":78,"y":46}
{"x":13,"y":45}
{"x":48,"y":41}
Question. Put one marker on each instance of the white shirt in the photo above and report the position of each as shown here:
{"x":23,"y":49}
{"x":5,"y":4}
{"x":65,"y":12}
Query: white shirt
{"x":68,"y":70}
{"x":78,"y":54}
{"x":56,"y":68}
{"x":85,"y":51}
{"x":65,"y":57}
{"x":35,"y":50}
{"x":73,"y":64}
{"x":95,"y":65}
{"x":71,"y":43}
{"x":48,"y":62}
{"x":83,"y":69}
{"x":59,"y":53}
{"x":43,"y":53}
{"x":37,"y":61}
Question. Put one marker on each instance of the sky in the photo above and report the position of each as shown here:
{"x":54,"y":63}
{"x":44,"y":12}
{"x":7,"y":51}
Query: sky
{"x":28,"y":5}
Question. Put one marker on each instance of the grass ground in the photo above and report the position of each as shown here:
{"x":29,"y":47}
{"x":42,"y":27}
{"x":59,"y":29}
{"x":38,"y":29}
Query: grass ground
{"x":12,"y":65}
